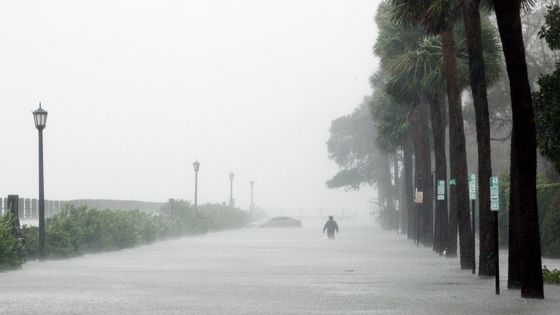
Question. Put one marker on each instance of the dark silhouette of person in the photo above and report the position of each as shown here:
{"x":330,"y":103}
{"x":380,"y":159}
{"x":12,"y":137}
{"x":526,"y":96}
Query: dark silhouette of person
{"x":331,"y":227}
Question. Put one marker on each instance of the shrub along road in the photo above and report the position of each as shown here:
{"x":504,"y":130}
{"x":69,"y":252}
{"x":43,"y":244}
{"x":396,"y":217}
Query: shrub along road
{"x":264,"y":271}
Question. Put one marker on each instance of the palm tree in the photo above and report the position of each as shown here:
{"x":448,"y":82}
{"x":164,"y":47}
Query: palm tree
{"x":418,"y":12}
{"x":389,"y":45}
{"x":472,"y":25}
{"x":415,"y":60}
{"x":524,"y":241}
{"x":437,"y":111}
{"x":391,"y":120}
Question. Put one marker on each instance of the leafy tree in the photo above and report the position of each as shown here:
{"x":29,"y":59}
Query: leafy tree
{"x":547,"y":117}
{"x":352,"y":146}
{"x":547,"y":99}
{"x":550,"y":31}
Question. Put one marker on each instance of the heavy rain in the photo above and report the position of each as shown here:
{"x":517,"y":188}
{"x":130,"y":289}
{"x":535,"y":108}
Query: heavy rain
{"x":280,"y":157}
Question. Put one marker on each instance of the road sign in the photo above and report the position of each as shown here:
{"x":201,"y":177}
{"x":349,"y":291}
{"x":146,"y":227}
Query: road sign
{"x":453,"y":181}
{"x":472,"y":187}
{"x":441,"y":190}
{"x":419,"y":197}
{"x":494,"y":193}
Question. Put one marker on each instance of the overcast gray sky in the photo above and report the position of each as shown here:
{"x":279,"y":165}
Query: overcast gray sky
{"x":137,"y":90}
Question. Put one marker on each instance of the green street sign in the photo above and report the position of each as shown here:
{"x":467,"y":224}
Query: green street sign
{"x":494,"y":193}
{"x":441,"y":190}
{"x":472,"y":187}
{"x":452,"y":181}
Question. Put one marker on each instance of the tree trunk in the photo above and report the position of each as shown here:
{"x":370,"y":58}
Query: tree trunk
{"x":408,"y":190}
{"x":452,"y":211}
{"x":385,"y":191}
{"x":423,"y":167}
{"x":403,"y":210}
{"x":396,"y":216}
{"x":524,"y":151}
{"x":471,"y":20}
{"x":514,"y":267}
{"x":457,"y":155}
{"x":437,"y":111}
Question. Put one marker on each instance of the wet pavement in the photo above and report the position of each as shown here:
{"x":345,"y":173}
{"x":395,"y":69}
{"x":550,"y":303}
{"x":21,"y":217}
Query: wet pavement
{"x":265,"y":271}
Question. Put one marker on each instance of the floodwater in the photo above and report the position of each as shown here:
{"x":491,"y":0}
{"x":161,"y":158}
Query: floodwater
{"x":264,"y":271}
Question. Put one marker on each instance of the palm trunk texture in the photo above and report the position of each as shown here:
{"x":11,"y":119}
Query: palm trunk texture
{"x":403,"y":208}
{"x":408,"y":190}
{"x":437,"y":111}
{"x":457,"y":155}
{"x":396,"y":217}
{"x":477,"y":75}
{"x":385,"y":189}
{"x":423,"y":163}
{"x":523,"y":205}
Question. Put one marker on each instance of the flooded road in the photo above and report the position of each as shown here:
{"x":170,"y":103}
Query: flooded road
{"x":264,"y":271}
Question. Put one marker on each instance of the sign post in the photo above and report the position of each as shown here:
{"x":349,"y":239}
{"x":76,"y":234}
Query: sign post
{"x":419,"y":199}
{"x":472,"y":197}
{"x":440,"y":190}
{"x":494,"y":194}
{"x":495,"y":207}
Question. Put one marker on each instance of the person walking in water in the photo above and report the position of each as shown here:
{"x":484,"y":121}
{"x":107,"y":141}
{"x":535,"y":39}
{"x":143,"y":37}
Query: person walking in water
{"x":331,"y":227}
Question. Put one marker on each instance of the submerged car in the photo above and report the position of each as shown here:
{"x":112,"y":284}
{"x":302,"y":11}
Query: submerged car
{"x":282,"y":222}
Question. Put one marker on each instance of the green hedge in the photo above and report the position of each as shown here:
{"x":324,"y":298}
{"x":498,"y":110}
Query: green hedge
{"x":549,"y":215}
{"x":76,"y":231}
{"x":551,"y":276}
{"x":11,"y":248}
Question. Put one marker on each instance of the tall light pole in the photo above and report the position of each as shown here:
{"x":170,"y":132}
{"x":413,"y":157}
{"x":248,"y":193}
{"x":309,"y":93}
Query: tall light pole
{"x":231,"y":175}
{"x":252,"y":207}
{"x":40,"y":117}
{"x":196,"y":166}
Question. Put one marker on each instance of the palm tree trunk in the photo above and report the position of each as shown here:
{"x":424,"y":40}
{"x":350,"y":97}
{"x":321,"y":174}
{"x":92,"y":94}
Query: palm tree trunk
{"x":385,"y":191}
{"x":524,"y":157}
{"x":423,"y":163}
{"x":402,"y":196}
{"x":451,"y":241}
{"x":396,"y":216}
{"x":457,"y":155}
{"x":408,"y":189}
{"x":477,"y":75}
{"x":437,"y":105}
{"x":514,"y":267}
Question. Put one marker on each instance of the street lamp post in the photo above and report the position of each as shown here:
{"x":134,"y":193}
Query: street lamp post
{"x":196,"y":166}
{"x":40,"y":116}
{"x":252,"y":207}
{"x":231,"y":175}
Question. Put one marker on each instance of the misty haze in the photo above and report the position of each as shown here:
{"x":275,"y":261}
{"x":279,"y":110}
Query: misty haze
{"x":280,"y":157}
